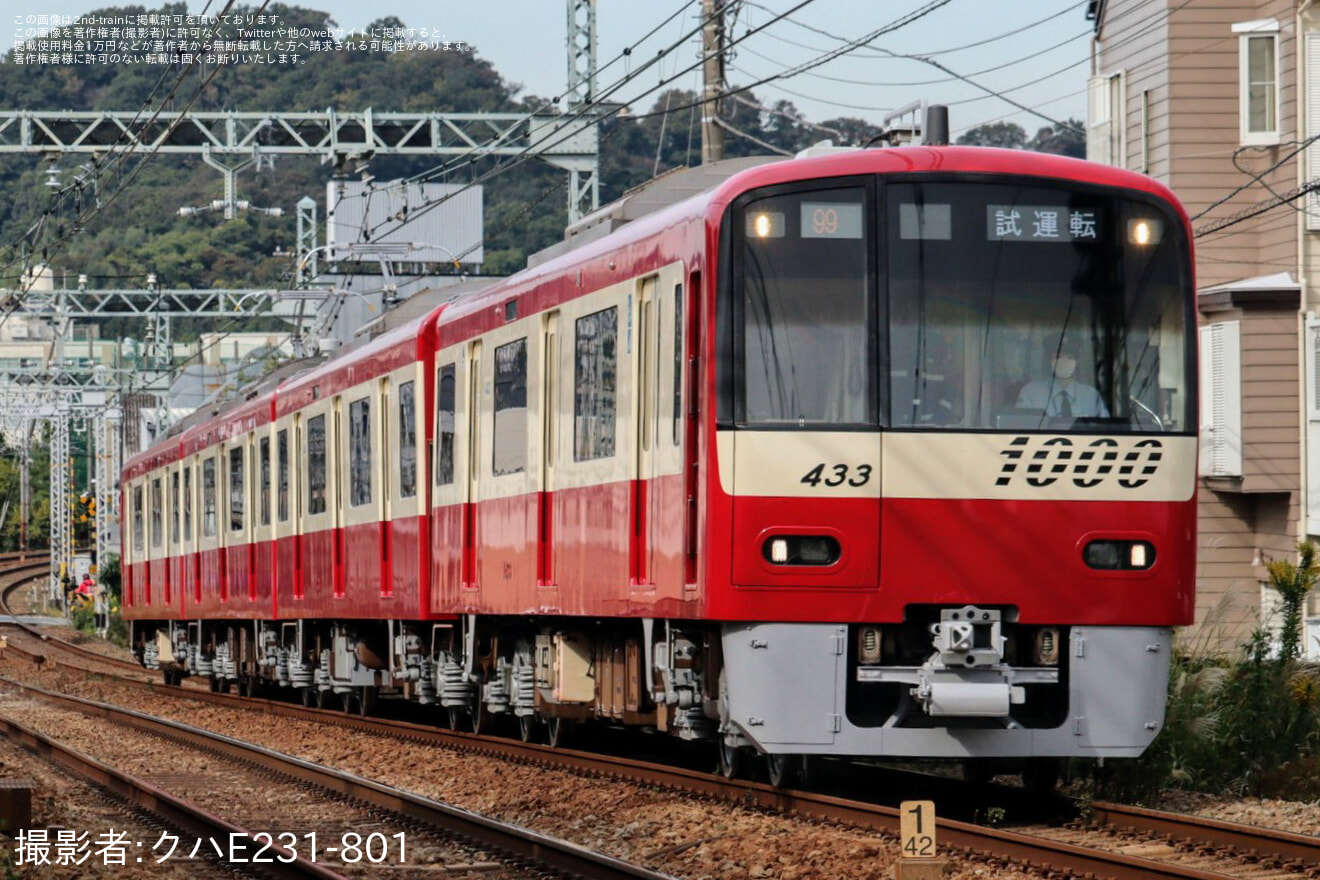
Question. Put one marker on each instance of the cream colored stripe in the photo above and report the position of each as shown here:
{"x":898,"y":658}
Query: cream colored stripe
{"x":1000,"y":466}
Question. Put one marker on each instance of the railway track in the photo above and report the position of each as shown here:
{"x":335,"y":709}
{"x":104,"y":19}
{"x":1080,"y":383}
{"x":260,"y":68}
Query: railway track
{"x":296,"y":794}
{"x":1243,"y":845}
{"x":176,"y":812}
{"x":10,"y":568}
{"x":1291,"y":854}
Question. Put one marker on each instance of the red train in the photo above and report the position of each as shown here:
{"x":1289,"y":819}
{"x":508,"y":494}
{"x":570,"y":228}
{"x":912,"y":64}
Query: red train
{"x":886,"y":452}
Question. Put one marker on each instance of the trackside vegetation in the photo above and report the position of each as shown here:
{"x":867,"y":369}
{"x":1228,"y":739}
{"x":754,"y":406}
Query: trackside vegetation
{"x":1246,"y":725}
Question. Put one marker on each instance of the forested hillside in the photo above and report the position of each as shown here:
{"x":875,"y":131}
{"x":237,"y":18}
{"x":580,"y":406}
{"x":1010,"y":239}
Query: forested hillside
{"x":142,"y":231}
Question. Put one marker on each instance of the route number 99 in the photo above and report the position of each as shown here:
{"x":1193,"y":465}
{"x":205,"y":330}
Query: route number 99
{"x":825,"y":221}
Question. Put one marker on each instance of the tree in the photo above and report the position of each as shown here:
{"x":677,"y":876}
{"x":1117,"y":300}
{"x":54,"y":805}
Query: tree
{"x":997,"y":134}
{"x":1068,"y":139}
{"x":1293,"y":582}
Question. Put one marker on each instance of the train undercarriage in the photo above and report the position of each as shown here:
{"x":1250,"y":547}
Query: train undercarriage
{"x":966,"y":684}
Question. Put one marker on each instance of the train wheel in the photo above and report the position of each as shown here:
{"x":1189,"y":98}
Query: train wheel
{"x":348,"y":701}
{"x":215,"y":685}
{"x":366,"y":700}
{"x":455,"y":717}
{"x":308,"y":696}
{"x":323,"y":698}
{"x":527,"y":727}
{"x":479,"y":718}
{"x":783,"y":770}
{"x":732,"y":759}
{"x":558,"y":731}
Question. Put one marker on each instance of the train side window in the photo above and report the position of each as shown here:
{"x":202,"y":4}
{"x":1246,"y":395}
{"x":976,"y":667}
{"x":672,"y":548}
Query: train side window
{"x":236,"y":489}
{"x":359,"y":452}
{"x":594,"y":384}
{"x":407,"y":441}
{"x":510,"y":446}
{"x":209,"y":511}
{"x":678,"y":363}
{"x":264,"y":456}
{"x":444,"y":405}
{"x":316,"y":465}
{"x":157,"y":514}
{"x":174,"y":508}
{"x":187,"y":503}
{"x":139,"y":543}
{"x":282,"y":465}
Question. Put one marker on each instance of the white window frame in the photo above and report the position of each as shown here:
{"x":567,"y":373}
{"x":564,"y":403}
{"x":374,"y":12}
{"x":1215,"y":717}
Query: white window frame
{"x":1221,"y":400}
{"x":1248,"y":31}
{"x":1106,"y":119}
{"x":1311,"y":59}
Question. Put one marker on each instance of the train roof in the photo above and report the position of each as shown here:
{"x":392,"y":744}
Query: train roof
{"x":158,"y":455}
{"x":599,"y":260}
{"x":606,"y":246}
{"x":388,"y":352}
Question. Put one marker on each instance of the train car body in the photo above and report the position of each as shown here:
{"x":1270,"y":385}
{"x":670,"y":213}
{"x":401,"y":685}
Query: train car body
{"x":888,"y":452}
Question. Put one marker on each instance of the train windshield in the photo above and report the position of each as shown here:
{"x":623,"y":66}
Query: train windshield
{"x":959,"y":306}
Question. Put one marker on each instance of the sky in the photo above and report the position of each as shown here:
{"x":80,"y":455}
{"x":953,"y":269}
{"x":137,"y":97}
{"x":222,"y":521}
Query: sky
{"x":1033,"y":52}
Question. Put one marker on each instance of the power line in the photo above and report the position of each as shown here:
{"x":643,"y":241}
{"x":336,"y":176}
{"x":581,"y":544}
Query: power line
{"x":592,"y":116}
{"x":949,"y":51}
{"x":123,"y":157}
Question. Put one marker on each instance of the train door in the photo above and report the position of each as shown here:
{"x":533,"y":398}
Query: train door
{"x":385,"y":463}
{"x":174,"y":571}
{"x":298,"y":489}
{"x":188,"y":589}
{"x":337,"y":464}
{"x":647,"y":410}
{"x":473,"y":459}
{"x":256,"y":482}
{"x":687,"y":399}
{"x":550,"y":406}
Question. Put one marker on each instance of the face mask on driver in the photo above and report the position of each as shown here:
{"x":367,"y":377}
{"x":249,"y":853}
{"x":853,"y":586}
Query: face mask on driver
{"x":1064,"y":367}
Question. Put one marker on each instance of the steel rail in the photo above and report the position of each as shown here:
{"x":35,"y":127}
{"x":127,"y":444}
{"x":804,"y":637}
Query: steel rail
{"x":514,"y":840}
{"x":993,"y":843}
{"x":1265,"y":842}
{"x":997,"y":843}
{"x":36,"y":632}
{"x":178,"y":813}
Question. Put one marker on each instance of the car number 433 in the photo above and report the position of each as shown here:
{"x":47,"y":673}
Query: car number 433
{"x":837,"y":474}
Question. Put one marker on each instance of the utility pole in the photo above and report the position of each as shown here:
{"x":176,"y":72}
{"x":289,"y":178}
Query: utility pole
{"x":712,"y":69}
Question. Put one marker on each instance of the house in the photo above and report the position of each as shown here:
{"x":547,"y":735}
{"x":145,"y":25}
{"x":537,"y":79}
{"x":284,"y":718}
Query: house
{"x":1221,"y":102}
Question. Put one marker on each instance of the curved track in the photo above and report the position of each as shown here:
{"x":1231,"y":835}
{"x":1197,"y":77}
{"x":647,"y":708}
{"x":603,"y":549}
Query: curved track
{"x":526,"y":847}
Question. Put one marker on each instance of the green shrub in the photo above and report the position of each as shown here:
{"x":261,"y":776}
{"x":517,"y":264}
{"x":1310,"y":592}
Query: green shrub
{"x":1244,"y":728}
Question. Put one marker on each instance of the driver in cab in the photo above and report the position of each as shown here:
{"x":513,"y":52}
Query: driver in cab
{"x":1061,"y":395}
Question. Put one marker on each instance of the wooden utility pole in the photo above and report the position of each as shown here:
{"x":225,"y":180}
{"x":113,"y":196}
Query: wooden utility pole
{"x":712,"y":50}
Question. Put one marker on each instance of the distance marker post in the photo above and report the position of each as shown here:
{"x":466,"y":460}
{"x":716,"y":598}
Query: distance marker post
{"x":918,"y":846}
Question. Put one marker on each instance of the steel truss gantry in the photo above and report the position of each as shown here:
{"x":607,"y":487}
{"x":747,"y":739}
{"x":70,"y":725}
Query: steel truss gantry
{"x":567,"y":141}
{"x":23,"y":405}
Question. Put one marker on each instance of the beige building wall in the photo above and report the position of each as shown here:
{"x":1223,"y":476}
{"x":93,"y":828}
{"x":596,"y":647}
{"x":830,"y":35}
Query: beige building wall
{"x":1181,"y":67}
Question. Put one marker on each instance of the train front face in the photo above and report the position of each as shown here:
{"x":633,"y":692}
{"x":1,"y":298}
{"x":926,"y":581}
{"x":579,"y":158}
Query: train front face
{"x":956,"y":458}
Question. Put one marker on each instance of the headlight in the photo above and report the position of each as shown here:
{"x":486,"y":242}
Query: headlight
{"x":801,"y":550}
{"x":1119,"y":555}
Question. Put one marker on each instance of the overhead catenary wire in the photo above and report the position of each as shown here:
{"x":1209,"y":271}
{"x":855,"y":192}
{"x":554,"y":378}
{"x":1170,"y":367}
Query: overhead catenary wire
{"x":123,"y":157}
{"x":589,"y":114}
